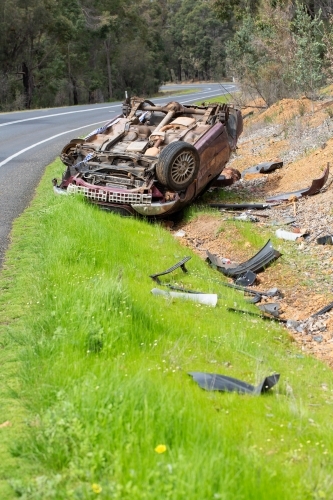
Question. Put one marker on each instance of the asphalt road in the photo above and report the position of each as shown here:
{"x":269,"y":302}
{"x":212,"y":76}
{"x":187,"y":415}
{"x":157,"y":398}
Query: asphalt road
{"x":30,"y":140}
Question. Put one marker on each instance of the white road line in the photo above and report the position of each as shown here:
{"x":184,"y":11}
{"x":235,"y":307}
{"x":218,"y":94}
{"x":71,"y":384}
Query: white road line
{"x":56,"y":114}
{"x":46,"y":140}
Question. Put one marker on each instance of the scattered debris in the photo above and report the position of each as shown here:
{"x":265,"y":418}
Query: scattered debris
{"x":287,"y":235}
{"x":316,"y":186}
{"x":229,"y":176}
{"x":323,"y":310}
{"x":180,"y":233}
{"x":263,"y":168}
{"x":246,"y":217}
{"x":240,"y":206}
{"x":270,"y":308}
{"x":180,"y":264}
{"x":310,"y":326}
{"x":256,"y":264}
{"x":270,"y":293}
{"x":325,"y":240}
{"x":246,"y":279}
{"x":208,"y":299}
{"x":216,"y":382}
{"x":289,"y":220}
{"x":262,"y":316}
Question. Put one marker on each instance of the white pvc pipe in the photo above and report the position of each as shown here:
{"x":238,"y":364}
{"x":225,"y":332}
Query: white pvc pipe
{"x":208,"y":299}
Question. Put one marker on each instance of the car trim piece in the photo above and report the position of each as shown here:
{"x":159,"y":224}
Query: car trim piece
{"x":323,"y":310}
{"x":263,"y":168}
{"x":216,"y":382}
{"x":107,"y":195}
{"x":180,"y":264}
{"x":257,"y":263}
{"x":154,"y":208}
{"x":240,"y":206}
{"x":262,"y":316}
{"x":316,"y":186}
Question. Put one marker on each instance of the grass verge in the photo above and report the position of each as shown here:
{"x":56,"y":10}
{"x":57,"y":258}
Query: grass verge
{"x":222,"y":99}
{"x":94,"y":373}
{"x":166,"y":93}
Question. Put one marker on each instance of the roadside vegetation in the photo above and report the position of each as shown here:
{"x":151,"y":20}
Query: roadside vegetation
{"x":96,"y":400}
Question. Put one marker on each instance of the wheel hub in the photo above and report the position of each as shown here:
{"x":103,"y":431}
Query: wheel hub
{"x":183,"y":167}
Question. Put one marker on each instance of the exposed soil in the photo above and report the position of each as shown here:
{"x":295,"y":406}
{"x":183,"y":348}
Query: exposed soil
{"x":299,"y":133}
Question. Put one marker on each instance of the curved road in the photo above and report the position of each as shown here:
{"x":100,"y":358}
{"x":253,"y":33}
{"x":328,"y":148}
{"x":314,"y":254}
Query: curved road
{"x":30,"y":140}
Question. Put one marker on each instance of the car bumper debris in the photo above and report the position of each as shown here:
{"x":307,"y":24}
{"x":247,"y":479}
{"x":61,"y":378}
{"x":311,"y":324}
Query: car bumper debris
{"x":223,"y":383}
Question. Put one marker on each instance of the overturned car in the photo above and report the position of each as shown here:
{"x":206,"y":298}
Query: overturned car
{"x":151,"y":160}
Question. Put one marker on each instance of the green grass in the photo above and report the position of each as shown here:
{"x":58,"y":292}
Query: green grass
{"x":94,"y":372}
{"x":166,"y":93}
{"x":221,"y":99}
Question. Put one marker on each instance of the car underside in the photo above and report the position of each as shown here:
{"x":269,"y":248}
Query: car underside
{"x":151,"y":160}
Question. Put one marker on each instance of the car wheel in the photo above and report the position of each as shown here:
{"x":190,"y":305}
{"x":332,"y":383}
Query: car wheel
{"x":178,"y":165}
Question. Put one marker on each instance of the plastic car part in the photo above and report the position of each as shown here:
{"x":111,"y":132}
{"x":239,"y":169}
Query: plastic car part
{"x":222,"y":181}
{"x":246,"y":217}
{"x":263,"y":168}
{"x":216,"y":382}
{"x":228,"y":177}
{"x":287,"y":235}
{"x":180,"y":264}
{"x":323,"y":310}
{"x":208,"y":299}
{"x":272,"y":308}
{"x":325,"y":240}
{"x":240,"y":206}
{"x":254,"y":299}
{"x":178,"y":165}
{"x":256,"y":264}
{"x":262,"y":316}
{"x":246,"y":279}
{"x":272,"y":292}
{"x":316,"y":186}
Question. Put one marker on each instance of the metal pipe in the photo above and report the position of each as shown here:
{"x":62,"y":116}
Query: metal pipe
{"x":193,"y":111}
{"x":165,"y":120}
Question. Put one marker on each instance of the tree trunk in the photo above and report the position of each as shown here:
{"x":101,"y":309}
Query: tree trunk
{"x":107,"y":44}
{"x":179,"y":70}
{"x":27,"y":85}
{"x":75,"y":92}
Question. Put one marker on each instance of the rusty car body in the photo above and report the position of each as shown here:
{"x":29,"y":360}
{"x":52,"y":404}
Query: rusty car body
{"x":151,"y":160}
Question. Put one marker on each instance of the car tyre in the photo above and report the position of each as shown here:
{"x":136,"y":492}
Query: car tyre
{"x":178,"y":165}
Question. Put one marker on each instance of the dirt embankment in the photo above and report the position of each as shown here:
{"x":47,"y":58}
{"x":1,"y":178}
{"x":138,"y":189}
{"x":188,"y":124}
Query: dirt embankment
{"x":299,"y":133}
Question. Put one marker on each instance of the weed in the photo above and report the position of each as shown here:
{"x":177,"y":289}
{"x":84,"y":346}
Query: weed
{"x":220,"y":230}
{"x":329,"y":111}
{"x":301,"y":108}
{"x":268,"y":119}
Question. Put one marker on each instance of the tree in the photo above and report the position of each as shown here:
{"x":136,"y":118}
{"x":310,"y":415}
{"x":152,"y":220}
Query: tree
{"x":278,"y":53}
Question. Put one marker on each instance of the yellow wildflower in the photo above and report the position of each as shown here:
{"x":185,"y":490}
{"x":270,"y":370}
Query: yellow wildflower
{"x":96,"y":488}
{"x":161,"y":448}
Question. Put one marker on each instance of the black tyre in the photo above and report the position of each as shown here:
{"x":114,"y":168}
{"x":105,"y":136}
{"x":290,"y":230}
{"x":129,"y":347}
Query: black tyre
{"x":178,"y":165}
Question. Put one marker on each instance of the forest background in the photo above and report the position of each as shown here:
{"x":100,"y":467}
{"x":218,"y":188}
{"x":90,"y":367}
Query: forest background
{"x":64,"y":52}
